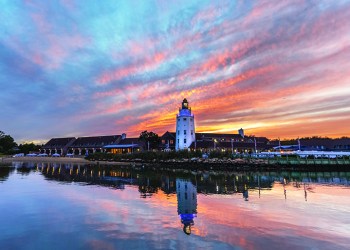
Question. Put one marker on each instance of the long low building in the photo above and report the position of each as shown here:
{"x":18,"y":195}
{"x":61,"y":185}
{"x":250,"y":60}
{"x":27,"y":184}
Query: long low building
{"x":116,"y":144}
{"x":92,"y":144}
{"x":120,"y":144}
{"x":57,"y":145}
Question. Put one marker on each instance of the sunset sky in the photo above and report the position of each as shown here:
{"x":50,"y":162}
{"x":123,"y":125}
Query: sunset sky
{"x":86,"y":67}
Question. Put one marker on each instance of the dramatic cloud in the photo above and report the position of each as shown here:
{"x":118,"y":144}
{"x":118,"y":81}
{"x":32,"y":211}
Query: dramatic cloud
{"x":275,"y":68}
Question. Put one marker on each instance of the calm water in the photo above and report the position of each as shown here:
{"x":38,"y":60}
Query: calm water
{"x":65,"y":206}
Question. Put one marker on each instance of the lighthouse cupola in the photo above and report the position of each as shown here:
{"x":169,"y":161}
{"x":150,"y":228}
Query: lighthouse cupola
{"x":185,"y":104}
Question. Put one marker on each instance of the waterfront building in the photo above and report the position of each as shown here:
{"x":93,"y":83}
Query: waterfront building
{"x":318,"y":143}
{"x":92,"y":144}
{"x":125,"y":145}
{"x":185,"y":129}
{"x":167,"y":141}
{"x":57,"y":145}
{"x":312,"y":144}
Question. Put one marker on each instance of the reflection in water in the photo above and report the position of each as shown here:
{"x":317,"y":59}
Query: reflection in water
{"x":5,"y":172}
{"x":150,"y":182}
{"x":186,"y":203}
{"x":124,"y":207}
{"x":245,"y":193}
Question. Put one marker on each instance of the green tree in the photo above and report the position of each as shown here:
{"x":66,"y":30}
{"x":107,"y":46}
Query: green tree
{"x":28,"y":147}
{"x":7,"y":143}
{"x":150,"y":138}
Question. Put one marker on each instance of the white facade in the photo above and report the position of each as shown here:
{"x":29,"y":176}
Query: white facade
{"x":185,"y":130}
{"x":186,"y":197}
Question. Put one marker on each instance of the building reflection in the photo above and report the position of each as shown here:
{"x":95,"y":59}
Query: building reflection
{"x":147,"y":187}
{"x":150,"y":182}
{"x":245,"y":193}
{"x":186,"y":203}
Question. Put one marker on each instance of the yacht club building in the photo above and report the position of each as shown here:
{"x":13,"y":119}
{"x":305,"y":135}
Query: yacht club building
{"x":57,"y":145}
{"x":92,"y":144}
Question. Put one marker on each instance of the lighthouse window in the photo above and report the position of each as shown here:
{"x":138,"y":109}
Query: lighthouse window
{"x":185,"y":119}
{"x":191,"y":132}
{"x":185,"y":196}
{"x":184,"y":131}
{"x":185,"y":140}
{"x":178,"y":132}
{"x":178,"y":119}
{"x":191,"y":119}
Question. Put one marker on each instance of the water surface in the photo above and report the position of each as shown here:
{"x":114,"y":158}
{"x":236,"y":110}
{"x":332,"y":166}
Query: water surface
{"x":66,"y":206}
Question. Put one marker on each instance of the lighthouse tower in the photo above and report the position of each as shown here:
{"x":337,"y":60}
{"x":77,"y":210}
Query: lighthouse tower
{"x":185,"y":131}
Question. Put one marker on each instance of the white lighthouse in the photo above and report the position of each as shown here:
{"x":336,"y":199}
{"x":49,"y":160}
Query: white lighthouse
{"x":185,"y":130}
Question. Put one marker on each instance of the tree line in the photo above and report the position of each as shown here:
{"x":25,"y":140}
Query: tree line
{"x":9,"y":146}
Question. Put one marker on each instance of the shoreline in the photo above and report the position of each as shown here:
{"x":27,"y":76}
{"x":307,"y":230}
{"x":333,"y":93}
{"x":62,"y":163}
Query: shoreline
{"x":221,"y":165}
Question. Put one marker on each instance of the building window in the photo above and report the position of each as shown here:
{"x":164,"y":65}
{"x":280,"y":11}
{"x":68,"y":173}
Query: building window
{"x":178,"y":132}
{"x":178,"y":141}
{"x":163,"y":141}
{"x":184,"y":131}
{"x":191,"y":132}
{"x":185,"y":140}
{"x":171,"y":142}
{"x":185,"y":119}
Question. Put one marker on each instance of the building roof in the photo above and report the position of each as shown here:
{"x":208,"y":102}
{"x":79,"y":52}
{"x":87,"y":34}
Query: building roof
{"x":168,"y":135}
{"x":126,"y":143}
{"x":96,"y":141}
{"x":58,"y":142}
{"x":129,"y":141}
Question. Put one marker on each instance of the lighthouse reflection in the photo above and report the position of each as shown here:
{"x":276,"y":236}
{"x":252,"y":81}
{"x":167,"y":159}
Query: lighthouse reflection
{"x":186,"y":203}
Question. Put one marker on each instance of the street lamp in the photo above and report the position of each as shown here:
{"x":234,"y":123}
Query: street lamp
{"x":232,"y":145}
